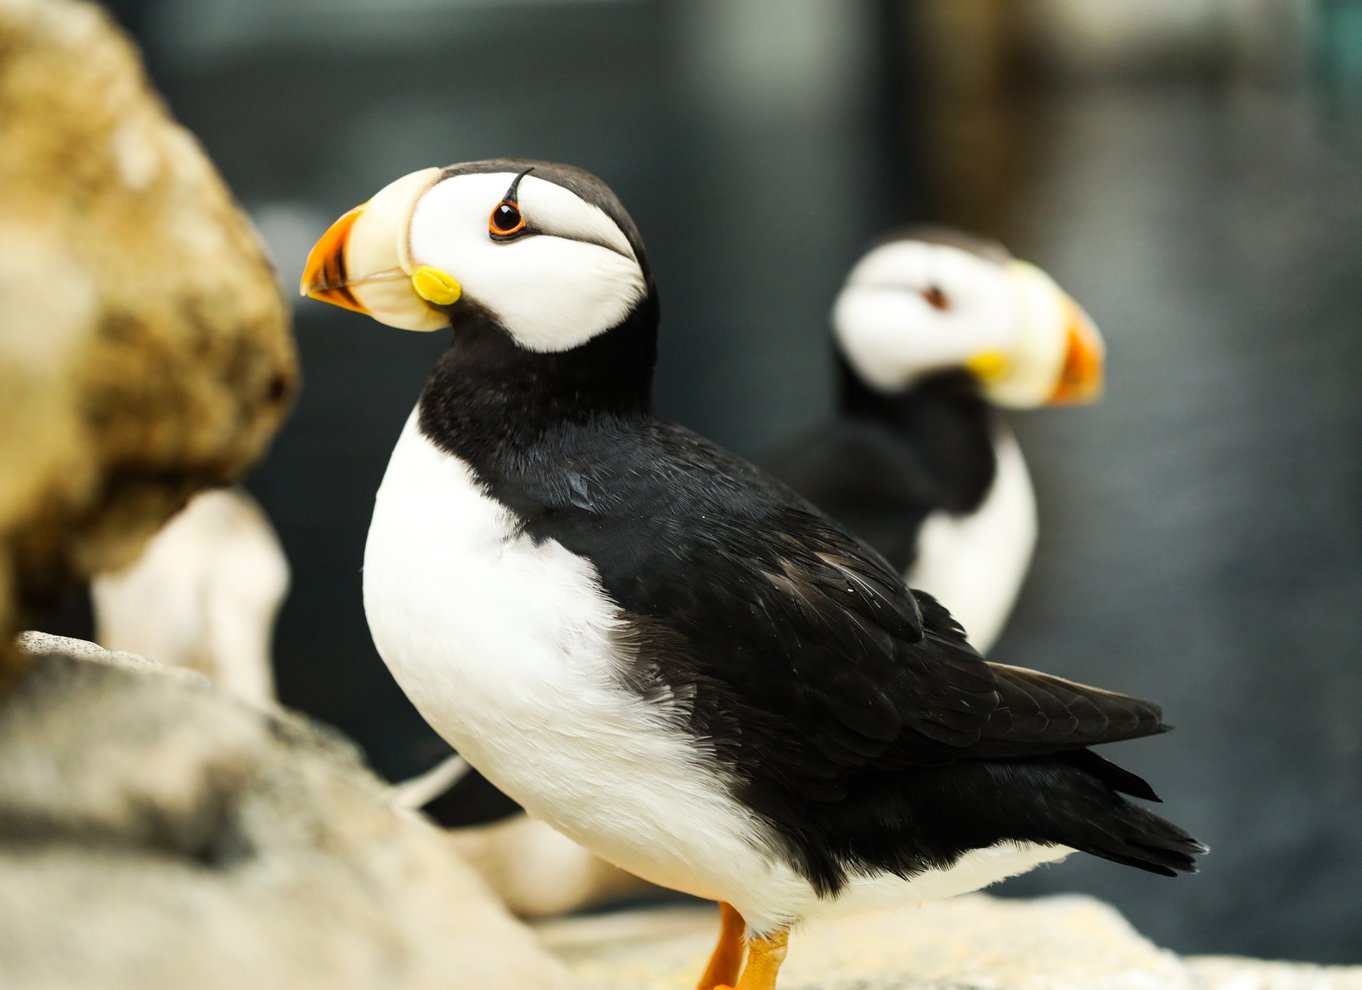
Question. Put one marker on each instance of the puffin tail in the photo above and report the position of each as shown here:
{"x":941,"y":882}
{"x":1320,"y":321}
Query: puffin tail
{"x":1113,"y":828}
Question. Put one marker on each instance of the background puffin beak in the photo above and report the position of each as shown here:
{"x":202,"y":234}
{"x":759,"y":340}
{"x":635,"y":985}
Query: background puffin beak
{"x":324,"y":275}
{"x":1080,"y":378}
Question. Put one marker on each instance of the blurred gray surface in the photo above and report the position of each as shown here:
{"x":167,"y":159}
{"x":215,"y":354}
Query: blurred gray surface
{"x":1201,"y":537}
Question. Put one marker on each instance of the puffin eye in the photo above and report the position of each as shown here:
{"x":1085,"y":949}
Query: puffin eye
{"x":505,"y":221}
{"x":936,"y":298}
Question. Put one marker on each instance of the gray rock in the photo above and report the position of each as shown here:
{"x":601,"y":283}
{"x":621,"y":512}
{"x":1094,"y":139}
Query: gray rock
{"x":156,"y":833}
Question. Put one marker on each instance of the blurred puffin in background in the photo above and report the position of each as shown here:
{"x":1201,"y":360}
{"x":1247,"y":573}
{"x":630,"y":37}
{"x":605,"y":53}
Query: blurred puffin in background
{"x":204,"y":594}
{"x":657,"y":648}
{"x":935,"y":332}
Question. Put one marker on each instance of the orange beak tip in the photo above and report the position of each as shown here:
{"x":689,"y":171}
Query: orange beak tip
{"x":324,"y":275}
{"x":1081,"y":377}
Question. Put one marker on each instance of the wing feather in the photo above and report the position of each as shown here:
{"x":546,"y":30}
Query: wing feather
{"x":817,"y":663}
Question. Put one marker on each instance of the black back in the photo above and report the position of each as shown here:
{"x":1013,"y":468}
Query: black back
{"x":884,"y":463}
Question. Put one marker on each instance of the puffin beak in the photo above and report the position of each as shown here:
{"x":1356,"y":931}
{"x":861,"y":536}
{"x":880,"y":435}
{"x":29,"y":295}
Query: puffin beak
{"x":1080,"y":377}
{"x":363,"y":262}
{"x":1057,"y":356}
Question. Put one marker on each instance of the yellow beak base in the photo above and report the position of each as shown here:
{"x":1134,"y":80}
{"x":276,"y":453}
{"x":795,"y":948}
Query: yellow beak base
{"x":436,"y":287}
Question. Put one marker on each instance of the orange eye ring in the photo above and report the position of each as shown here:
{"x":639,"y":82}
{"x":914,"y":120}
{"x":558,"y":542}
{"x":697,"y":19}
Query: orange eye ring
{"x":505,"y":221}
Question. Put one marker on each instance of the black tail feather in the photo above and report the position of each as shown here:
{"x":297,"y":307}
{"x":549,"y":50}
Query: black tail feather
{"x":1074,"y":799}
{"x":1135,"y":837}
{"x":1103,"y":823}
{"x":1117,"y":778}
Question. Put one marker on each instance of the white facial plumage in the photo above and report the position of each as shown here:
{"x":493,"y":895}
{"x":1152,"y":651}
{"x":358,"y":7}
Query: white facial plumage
{"x":572,"y":277}
{"x":913,"y":308}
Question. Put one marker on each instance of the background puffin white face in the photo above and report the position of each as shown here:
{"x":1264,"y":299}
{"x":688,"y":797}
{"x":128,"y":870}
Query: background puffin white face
{"x":570,"y":276}
{"x":912,"y":308}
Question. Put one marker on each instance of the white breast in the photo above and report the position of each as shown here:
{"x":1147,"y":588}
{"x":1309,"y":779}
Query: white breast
{"x":508,"y":650}
{"x":975,"y":564}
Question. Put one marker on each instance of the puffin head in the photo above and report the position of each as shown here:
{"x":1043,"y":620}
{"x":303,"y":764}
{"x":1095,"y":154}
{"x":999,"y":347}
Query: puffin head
{"x":545,"y":251}
{"x":931,"y":301}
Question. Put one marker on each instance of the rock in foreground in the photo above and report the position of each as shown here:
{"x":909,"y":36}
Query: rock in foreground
{"x":145,"y":350}
{"x":156,"y":833}
{"x":970,"y":943}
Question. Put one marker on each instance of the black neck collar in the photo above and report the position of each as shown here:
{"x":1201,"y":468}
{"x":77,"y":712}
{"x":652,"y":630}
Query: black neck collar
{"x":943,"y":421}
{"x":488,"y":392}
{"x":957,"y":390}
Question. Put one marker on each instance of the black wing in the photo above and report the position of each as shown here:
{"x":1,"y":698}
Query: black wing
{"x":848,"y":711}
{"x":783,"y":615}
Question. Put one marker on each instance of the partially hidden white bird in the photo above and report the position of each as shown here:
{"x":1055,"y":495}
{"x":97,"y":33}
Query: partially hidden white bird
{"x":937,"y":331}
{"x":653,"y":646}
{"x":204,"y":594}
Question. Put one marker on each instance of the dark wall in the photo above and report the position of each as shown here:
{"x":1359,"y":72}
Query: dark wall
{"x":1201,"y":542}
{"x":1202,"y":527}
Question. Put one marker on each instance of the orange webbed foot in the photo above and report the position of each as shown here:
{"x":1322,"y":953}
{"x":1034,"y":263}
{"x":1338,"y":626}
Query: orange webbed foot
{"x":765,"y":954}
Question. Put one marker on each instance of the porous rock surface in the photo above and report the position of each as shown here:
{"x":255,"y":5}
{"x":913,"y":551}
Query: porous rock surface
{"x":145,"y":350}
{"x":155,"y":832}
{"x":970,"y":943}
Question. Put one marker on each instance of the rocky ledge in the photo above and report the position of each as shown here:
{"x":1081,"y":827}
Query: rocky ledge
{"x":155,"y":832}
{"x":970,"y":943}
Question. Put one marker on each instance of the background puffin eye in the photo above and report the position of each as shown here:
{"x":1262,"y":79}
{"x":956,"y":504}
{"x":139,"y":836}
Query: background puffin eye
{"x":506,"y":220}
{"x":936,"y":298}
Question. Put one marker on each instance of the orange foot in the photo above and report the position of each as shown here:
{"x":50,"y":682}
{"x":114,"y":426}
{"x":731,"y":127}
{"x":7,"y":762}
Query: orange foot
{"x":763,"y":963}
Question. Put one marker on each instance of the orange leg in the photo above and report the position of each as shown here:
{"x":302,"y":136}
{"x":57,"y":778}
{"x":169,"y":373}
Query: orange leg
{"x":726,"y":960}
{"x":764,"y":956}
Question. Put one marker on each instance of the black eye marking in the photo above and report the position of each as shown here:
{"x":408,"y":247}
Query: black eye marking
{"x":506,"y":222}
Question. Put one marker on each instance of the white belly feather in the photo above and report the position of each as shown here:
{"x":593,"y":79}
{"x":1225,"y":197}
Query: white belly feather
{"x":507,"y":649}
{"x":975,"y":564}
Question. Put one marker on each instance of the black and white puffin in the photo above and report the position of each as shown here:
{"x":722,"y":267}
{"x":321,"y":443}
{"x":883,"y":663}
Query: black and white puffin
{"x":652,"y":645}
{"x":935,"y":330}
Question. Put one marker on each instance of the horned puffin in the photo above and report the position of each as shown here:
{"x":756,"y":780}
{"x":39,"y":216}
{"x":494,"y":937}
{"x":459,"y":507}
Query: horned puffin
{"x":652,"y":645}
{"x":935,"y":330}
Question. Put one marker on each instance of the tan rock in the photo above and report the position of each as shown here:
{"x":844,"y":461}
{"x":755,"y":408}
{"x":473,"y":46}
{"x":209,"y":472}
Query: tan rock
{"x":1231,"y":973}
{"x":144,"y":345}
{"x":970,"y":943}
{"x":163,"y":834}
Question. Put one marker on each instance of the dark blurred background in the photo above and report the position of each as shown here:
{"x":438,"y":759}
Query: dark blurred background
{"x":1188,"y":169}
